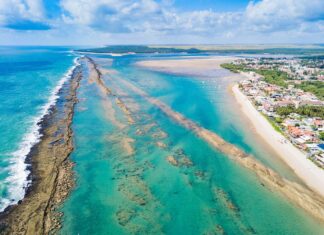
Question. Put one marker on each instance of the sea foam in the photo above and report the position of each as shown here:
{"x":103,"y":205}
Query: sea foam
{"x":18,"y":170}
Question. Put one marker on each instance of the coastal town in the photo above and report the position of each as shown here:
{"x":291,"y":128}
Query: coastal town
{"x":287,"y":92}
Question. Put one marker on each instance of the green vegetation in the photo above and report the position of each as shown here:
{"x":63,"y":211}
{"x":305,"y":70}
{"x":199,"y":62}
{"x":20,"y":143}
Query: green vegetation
{"x":275,"y":77}
{"x":139,"y":49}
{"x":309,"y":111}
{"x":278,"y":120}
{"x":315,"y":87}
{"x":321,"y":135}
{"x":274,"y":124}
{"x":319,"y":50}
{"x":235,"y":68}
{"x":271,"y":76}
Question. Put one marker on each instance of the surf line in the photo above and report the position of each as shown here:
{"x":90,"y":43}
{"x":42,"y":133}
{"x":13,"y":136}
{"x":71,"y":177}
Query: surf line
{"x":51,"y":172}
{"x":303,"y":197}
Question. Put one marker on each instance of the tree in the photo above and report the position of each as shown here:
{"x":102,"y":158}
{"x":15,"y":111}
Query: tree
{"x":321,"y":135}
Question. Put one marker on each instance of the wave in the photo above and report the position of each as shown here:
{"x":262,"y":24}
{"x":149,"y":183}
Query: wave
{"x":18,"y":180}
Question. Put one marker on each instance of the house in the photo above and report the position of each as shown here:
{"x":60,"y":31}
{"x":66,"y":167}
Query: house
{"x":319,"y":158}
{"x":309,"y":136}
{"x":290,"y":122}
{"x":267,"y":107}
{"x":318,"y":123}
{"x":311,"y":103}
{"x":313,"y":148}
{"x":284,"y":103}
{"x":295,"y":131}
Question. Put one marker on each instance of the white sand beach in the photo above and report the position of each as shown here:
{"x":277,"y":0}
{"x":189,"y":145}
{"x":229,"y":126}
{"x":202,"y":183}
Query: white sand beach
{"x":311,"y":175}
{"x":196,"y":67}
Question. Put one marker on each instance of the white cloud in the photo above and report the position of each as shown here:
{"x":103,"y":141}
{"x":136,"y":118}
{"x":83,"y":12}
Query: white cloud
{"x":126,"y":16}
{"x":110,"y":15}
{"x":279,"y":15}
{"x":13,"y":10}
{"x":155,"y":20}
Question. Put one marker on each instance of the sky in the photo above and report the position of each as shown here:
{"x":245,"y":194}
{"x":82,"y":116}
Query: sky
{"x":104,"y":22}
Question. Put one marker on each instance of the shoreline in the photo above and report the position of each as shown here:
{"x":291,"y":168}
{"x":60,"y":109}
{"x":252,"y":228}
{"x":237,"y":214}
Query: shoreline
{"x":51,"y":169}
{"x":306,"y":170}
{"x":298,"y":194}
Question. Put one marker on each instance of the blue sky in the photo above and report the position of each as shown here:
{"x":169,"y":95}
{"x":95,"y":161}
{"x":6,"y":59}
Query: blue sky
{"x":101,"y":22}
{"x":216,"y":5}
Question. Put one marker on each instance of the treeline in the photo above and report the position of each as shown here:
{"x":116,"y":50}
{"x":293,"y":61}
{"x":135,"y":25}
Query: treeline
{"x":235,"y":68}
{"x":140,"y":49}
{"x":308,"y":111}
{"x":271,"y":76}
{"x":315,"y":87}
{"x":148,"y":49}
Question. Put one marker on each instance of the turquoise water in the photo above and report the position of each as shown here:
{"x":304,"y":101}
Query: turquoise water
{"x":29,"y":78}
{"x":125,"y":183}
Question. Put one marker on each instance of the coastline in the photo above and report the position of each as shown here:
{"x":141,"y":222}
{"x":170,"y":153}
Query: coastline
{"x":311,"y":175}
{"x":307,"y":172}
{"x":51,"y":169}
{"x":20,"y":170}
{"x":301,"y":195}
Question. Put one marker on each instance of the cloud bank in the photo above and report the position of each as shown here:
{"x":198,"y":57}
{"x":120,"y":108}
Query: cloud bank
{"x":150,"y":21}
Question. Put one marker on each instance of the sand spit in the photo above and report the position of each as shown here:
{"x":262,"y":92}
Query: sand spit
{"x":194,"y":67}
{"x":300,"y":196}
{"x":51,"y":173}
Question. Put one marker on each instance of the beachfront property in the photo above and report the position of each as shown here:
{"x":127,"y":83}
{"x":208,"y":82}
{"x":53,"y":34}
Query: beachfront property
{"x":307,"y":69}
{"x":292,"y":111}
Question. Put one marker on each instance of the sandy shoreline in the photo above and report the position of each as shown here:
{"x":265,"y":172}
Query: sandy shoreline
{"x":293,"y":157}
{"x":193,"y":67}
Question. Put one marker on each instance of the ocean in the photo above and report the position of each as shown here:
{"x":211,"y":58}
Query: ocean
{"x":125,"y":183}
{"x":30,"y":78}
{"x":136,"y":170}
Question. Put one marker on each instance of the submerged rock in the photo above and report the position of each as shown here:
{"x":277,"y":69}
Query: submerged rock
{"x":161,"y":145}
{"x":124,"y":216}
{"x":139,"y":132}
{"x":222,"y":196}
{"x":172,"y":160}
{"x":185,"y":161}
{"x":219,"y":229}
{"x":159,"y":135}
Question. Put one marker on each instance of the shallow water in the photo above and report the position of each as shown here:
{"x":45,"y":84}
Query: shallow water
{"x":126,"y":183}
{"x":29,"y":77}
